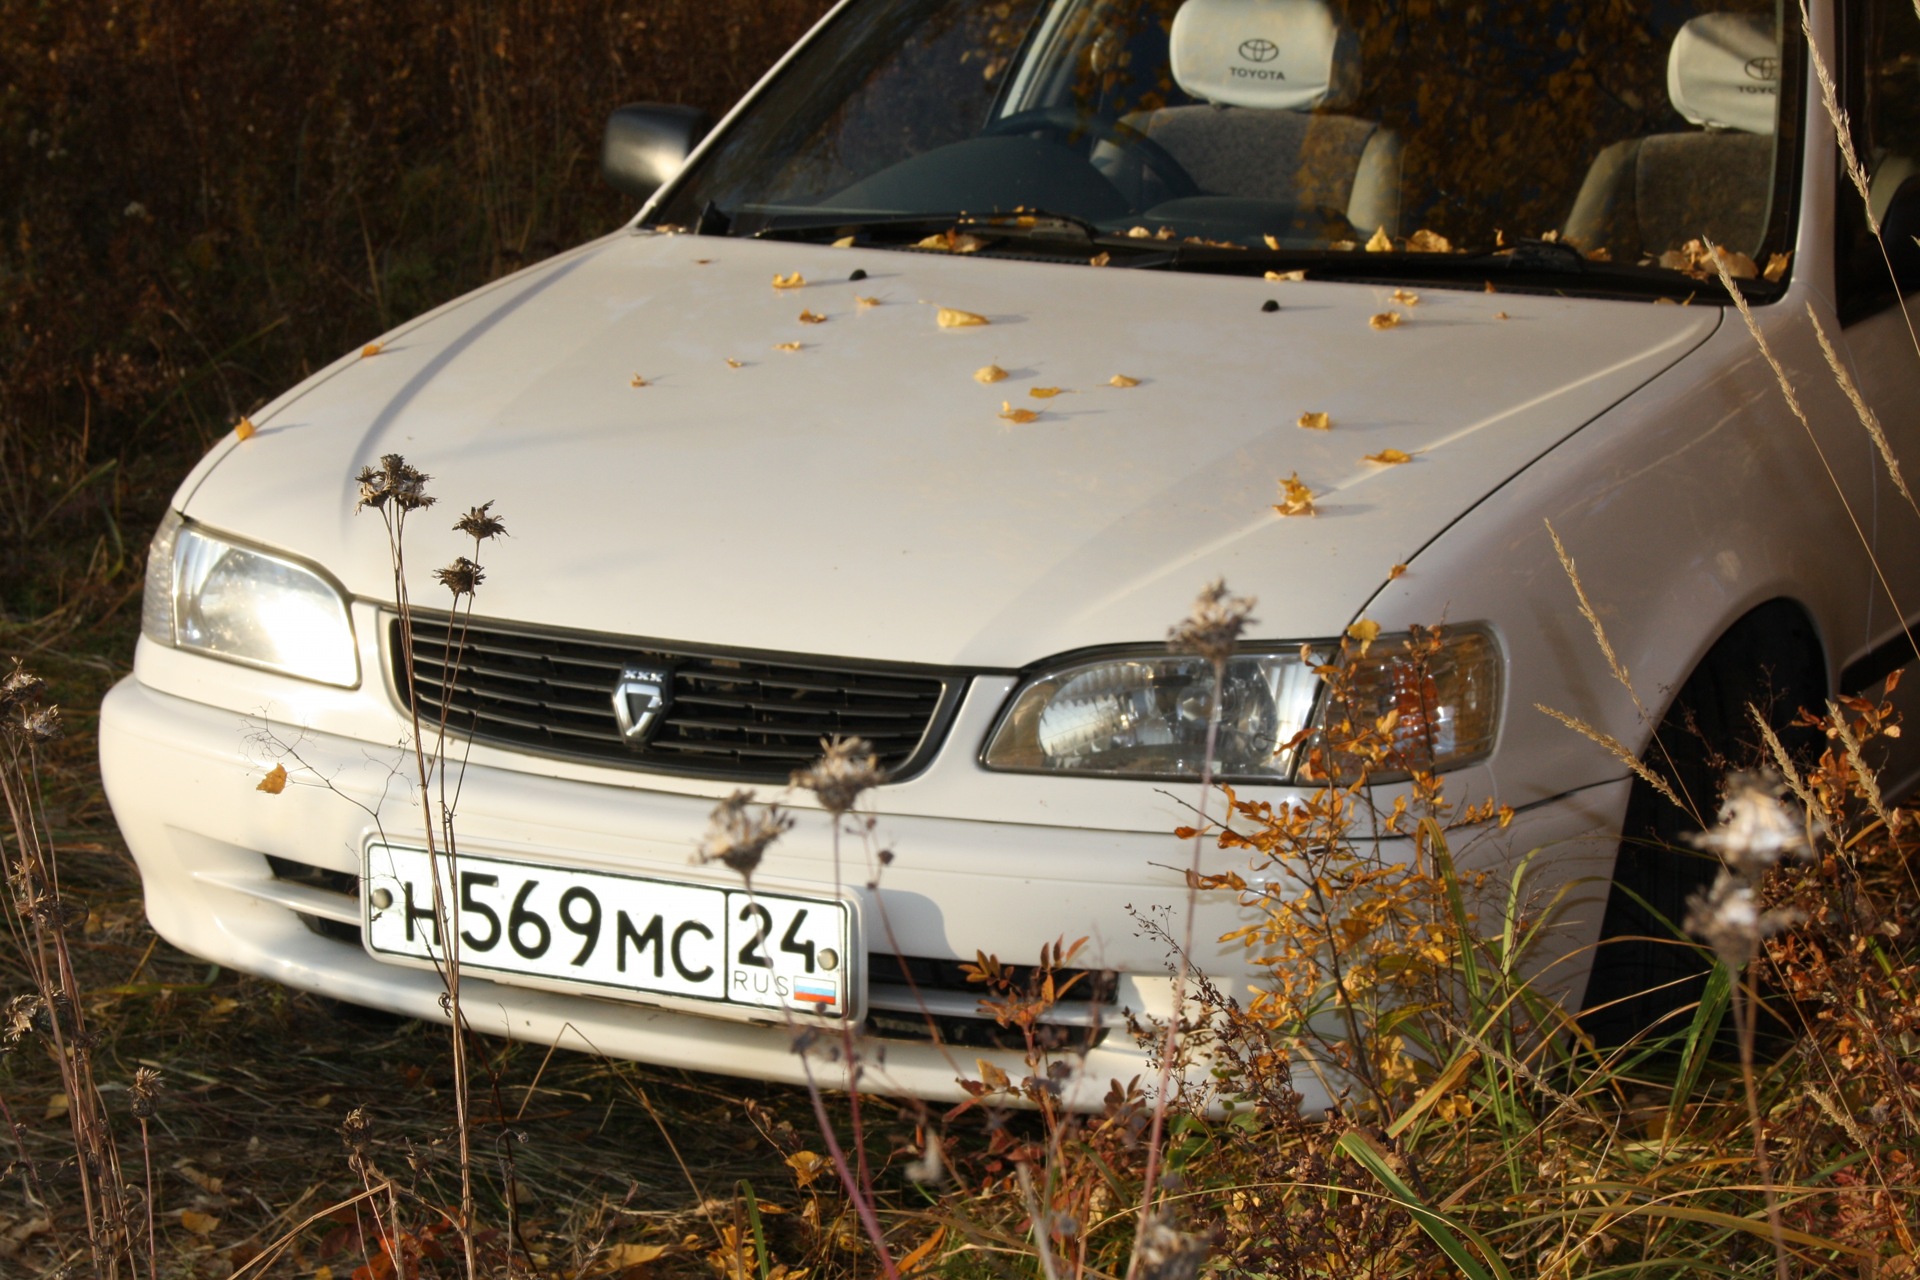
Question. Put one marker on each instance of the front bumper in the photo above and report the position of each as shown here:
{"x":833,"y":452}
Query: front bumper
{"x":181,"y":778}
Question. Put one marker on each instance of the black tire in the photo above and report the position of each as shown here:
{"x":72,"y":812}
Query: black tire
{"x":1646,"y":971}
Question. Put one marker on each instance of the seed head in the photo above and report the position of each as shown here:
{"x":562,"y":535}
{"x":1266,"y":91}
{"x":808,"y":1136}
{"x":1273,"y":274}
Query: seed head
{"x":144,"y":1091}
{"x":41,"y":725}
{"x":1167,"y":1253}
{"x":1214,"y":626}
{"x":738,"y":836}
{"x":1728,"y":918}
{"x":480,"y":524}
{"x":21,"y":688}
{"x":393,"y":481}
{"x":17,"y":1019}
{"x":463,"y":577}
{"x":1755,"y":829}
{"x":846,"y":767}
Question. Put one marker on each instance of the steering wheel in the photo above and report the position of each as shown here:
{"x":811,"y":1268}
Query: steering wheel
{"x":1068,"y":122}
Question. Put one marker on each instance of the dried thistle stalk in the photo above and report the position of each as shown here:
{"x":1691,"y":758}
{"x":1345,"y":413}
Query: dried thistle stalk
{"x":1213,"y":628}
{"x":1868,"y":418}
{"x":1593,"y":619}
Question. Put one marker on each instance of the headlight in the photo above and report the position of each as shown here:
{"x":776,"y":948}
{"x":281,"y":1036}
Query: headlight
{"x":245,"y":605}
{"x":1145,"y":716}
{"x":1424,"y":702}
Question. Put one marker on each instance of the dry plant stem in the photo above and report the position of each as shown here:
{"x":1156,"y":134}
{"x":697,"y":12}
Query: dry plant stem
{"x":1868,"y":418}
{"x":1744,"y":1022}
{"x":1042,"y":1228}
{"x":1793,"y":402}
{"x":862,"y":1187}
{"x":450,"y":975}
{"x":146,"y":1158}
{"x":1170,"y":1044}
{"x":1850,"y":159}
{"x":862,"y":1203}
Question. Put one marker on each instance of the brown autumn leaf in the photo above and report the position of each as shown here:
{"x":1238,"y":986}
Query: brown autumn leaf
{"x":371,"y":349}
{"x":1286,"y":275}
{"x":1424,"y":241}
{"x":1389,"y":457}
{"x":1122,"y":380}
{"x":732,"y":363}
{"x":793,"y":281}
{"x":622,"y":1257}
{"x":1776,"y":268}
{"x":1380,"y":242}
{"x":1365,"y":632}
{"x":1011,"y":414}
{"x":1044,"y":393}
{"x":810,"y":317}
{"x":1295,"y":498}
{"x":1100,"y":259}
{"x":864,"y":303}
{"x":1490,"y":288}
{"x":638,"y":381}
{"x":1602,"y":254}
{"x":201,"y":1224}
{"x":1501,"y":315}
{"x":807,"y":1166}
{"x":703,"y":262}
{"x":1385,"y":320}
{"x":1344,"y":246}
{"x":954,"y":318}
{"x":989,"y":373}
{"x":786,"y":346}
{"x":275,"y":780}
{"x":1406,"y":297}
{"x":1316,"y":421}
{"x":244,"y":429}
{"x":1398,"y":571}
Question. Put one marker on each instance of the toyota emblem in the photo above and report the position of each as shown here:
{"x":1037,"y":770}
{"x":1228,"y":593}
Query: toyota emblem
{"x":1259,"y":50}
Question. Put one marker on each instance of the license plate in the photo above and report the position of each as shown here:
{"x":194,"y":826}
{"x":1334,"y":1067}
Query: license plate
{"x":733,"y":952}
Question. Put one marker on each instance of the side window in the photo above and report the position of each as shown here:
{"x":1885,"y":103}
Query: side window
{"x":1883,"y":91}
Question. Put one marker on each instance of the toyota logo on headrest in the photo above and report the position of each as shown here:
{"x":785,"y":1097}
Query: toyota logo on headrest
{"x":1259,"y":50}
{"x":1767,"y":68}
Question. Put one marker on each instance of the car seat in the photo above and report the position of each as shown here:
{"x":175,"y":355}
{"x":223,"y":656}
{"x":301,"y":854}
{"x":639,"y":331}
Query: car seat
{"x":1645,"y":196}
{"x":1271,"y":77}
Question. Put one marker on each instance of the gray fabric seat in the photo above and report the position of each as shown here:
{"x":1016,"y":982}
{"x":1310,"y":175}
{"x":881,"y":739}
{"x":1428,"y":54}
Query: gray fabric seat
{"x":1271,"y":76}
{"x":1645,"y":196}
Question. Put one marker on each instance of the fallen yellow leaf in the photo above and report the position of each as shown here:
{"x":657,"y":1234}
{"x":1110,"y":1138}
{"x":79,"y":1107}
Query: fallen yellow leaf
{"x":794,"y":281}
{"x":952,"y":318}
{"x":732,"y":363}
{"x":1316,"y":421}
{"x":1122,"y":380}
{"x":221,"y":1007}
{"x":244,"y":429}
{"x":275,"y":782}
{"x":806,"y":1166}
{"x":1381,"y":242}
{"x":786,"y":346}
{"x":1501,"y":315}
{"x":844,"y":242}
{"x":1139,"y":233}
{"x":1273,"y":242}
{"x":1366,"y":631}
{"x":1389,"y":457}
{"x":1100,"y":259}
{"x":58,"y":1105}
{"x":638,"y":381}
{"x":1398,"y":571}
{"x":1385,"y":320}
{"x":371,"y":349}
{"x":864,"y":303}
{"x":1043,"y":393}
{"x":1424,"y":241}
{"x":619,"y":1257}
{"x":1286,"y":275}
{"x":1012,"y":414}
{"x":1295,"y":498}
{"x":809,"y":317}
{"x":1406,"y":297}
{"x":1776,"y":267}
{"x":201,"y":1224}
{"x":989,"y":373}
{"x":920,"y":1256}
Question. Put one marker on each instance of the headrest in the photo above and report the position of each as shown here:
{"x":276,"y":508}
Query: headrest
{"x":1274,"y":55}
{"x":1724,"y":72}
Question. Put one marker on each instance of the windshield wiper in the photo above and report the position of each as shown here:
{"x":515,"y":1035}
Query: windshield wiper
{"x":893,"y":228}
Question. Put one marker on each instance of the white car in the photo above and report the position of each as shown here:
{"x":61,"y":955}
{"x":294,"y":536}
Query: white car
{"x":761,"y":493}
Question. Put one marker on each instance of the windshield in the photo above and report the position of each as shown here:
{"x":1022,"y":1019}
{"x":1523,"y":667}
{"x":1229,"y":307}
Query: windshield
{"x":1634,"y":132}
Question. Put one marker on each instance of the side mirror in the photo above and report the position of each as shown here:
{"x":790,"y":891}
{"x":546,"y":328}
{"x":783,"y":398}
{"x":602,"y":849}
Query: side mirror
{"x":1898,"y":229}
{"x":646,"y":143}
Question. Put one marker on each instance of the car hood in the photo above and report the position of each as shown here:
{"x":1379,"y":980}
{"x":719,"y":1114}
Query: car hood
{"x":863,"y":495}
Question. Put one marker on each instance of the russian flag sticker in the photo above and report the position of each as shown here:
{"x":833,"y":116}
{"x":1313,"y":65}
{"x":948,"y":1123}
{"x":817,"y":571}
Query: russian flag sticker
{"x":813,"y":991}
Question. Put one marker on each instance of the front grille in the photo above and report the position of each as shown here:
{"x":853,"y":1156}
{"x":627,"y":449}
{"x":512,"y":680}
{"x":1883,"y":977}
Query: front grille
{"x":736,"y":715}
